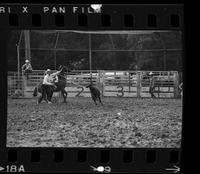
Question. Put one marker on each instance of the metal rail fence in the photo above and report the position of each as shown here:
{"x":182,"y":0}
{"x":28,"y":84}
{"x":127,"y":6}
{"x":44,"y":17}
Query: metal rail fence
{"x":110,"y":83}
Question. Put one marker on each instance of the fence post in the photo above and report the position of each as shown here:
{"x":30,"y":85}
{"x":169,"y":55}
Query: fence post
{"x":168,"y":78}
{"x":102,"y":80}
{"x":138,"y":84}
{"x":22,"y":82}
{"x":24,"y":85}
{"x":98,"y":79}
{"x":129,"y":81}
{"x":176,"y":83}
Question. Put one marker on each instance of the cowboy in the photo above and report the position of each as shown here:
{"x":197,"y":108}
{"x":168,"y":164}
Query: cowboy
{"x":151,"y":85}
{"x":27,"y":68}
{"x":48,"y":85}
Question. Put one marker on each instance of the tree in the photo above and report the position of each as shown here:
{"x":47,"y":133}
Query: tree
{"x":116,"y":60}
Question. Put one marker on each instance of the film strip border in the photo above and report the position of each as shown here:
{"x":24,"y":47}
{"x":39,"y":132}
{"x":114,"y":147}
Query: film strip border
{"x":112,"y":17}
{"x":84,"y":17}
{"x":88,"y":160}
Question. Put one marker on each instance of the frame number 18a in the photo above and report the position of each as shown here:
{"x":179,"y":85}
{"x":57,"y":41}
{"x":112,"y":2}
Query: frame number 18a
{"x":14,"y":168}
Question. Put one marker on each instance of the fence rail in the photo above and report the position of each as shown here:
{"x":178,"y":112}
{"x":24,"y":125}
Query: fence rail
{"x":111,"y":83}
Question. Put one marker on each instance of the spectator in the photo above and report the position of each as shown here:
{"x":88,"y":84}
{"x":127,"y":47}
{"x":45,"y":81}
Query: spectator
{"x":151,"y":85}
{"x":27,"y":68}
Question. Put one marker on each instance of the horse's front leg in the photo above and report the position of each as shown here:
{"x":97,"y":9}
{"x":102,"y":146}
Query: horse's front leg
{"x":49,"y":93}
{"x":63,"y":92}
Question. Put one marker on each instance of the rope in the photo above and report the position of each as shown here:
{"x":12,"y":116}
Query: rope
{"x":65,"y":79}
{"x":70,"y":82}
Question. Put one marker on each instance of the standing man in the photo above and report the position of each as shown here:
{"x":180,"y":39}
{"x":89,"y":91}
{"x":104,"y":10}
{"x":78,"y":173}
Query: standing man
{"x":54,"y":80}
{"x":151,"y":85}
{"x":46,"y":87}
{"x":27,"y":68}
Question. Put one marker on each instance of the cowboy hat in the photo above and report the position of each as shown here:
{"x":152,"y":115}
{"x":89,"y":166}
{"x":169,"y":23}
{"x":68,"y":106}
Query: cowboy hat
{"x":151,"y":73}
{"x":48,"y":70}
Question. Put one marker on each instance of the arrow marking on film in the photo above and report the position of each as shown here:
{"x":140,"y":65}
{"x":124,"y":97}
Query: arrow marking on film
{"x":1,"y":168}
{"x":175,"y":169}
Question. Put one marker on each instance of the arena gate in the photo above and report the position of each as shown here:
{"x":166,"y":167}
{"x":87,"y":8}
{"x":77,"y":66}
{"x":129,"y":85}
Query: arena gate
{"x":111,"y":83}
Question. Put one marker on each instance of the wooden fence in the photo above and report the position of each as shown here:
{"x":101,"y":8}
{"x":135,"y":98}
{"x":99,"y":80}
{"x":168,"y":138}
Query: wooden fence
{"x":110,"y":83}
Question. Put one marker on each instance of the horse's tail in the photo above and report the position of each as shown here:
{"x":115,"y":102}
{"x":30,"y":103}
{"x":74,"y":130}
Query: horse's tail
{"x":35,"y":92}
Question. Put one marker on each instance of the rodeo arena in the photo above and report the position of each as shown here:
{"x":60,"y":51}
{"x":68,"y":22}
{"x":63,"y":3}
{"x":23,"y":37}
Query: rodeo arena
{"x":91,"y":101}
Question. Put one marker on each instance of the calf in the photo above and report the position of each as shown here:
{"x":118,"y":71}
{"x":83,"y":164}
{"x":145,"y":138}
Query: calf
{"x":95,"y":93}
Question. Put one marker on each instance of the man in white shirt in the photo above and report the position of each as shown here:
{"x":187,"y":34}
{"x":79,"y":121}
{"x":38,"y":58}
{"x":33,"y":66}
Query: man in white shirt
{"x":48,"y":85}
{"x":48,"y":78}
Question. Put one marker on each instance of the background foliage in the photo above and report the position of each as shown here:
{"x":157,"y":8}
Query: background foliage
{"x":43,"y":54}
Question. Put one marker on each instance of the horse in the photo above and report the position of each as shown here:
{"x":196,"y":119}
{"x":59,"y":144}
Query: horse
{"x":60,"y":85}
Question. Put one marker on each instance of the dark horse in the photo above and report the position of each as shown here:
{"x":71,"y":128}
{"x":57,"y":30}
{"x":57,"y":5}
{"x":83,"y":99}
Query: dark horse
{"x":61,"y":84}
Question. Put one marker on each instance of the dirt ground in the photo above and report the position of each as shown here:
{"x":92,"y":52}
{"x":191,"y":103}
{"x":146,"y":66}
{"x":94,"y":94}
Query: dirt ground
{"x":121,"y":122}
